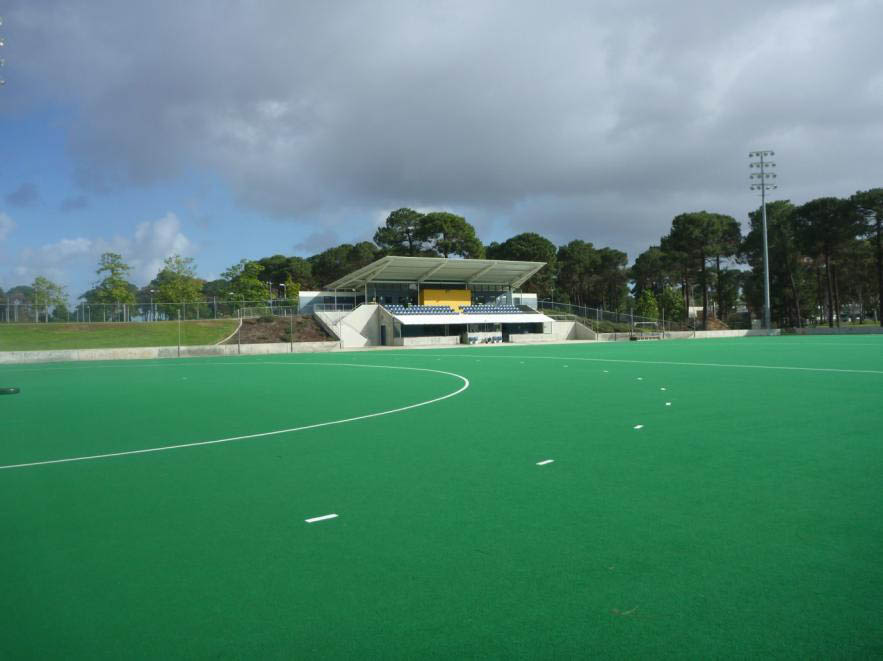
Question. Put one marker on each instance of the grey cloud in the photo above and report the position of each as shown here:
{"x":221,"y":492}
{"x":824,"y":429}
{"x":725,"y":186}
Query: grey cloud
{"x":74,"y":203}
{"x":316,"y":242}
{"x":26,"y":195}
{"x":597,"y":120}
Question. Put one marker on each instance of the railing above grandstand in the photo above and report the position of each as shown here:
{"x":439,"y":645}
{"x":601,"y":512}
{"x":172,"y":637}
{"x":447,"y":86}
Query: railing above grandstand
{"x":491,"y":309}
{"x":420,"y":309}
{"x":446,"y":309}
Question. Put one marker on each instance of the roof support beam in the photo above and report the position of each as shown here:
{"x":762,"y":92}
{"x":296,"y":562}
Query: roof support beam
{"x":527,"y":276}
{"x":435,"y":269}
{"x":376,"y":272}
{"x":487,"y":268}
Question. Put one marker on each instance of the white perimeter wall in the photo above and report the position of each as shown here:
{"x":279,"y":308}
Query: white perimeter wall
{"x":846,"y":330}
{"x":148,"y":353}
{"x":697,"y":335}
{"x":441,"y":340}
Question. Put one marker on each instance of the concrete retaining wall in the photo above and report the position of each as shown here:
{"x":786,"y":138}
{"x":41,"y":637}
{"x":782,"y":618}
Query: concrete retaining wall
{"x":153,"y":353}
{"x":533,"y":338}
{"x":427,"y":341}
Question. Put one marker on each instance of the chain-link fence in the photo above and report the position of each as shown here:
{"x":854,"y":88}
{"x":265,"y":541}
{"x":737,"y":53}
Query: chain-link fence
{"x":90,"y":313}
{"x":609,"y":321}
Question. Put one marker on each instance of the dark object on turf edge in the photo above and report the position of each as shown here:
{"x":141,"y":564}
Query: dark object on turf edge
{"x":9,"y":391}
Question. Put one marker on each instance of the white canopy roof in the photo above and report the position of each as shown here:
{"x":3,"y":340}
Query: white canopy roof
{"x":440,"y":271}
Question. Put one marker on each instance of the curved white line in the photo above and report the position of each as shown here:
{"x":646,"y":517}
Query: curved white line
{"x":669,"y":362}
{"x":268,"y":433}
{"x":231,"y":334}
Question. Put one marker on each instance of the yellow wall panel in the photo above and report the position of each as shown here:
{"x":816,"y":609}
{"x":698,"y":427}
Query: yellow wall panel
{"x":455,"y":298}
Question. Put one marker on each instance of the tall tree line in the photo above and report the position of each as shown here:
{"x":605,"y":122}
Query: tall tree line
{"x":826,"y":264}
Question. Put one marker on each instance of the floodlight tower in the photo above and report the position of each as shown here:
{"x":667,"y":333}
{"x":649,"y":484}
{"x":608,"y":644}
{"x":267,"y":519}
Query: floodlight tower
{"x":2,"y":61}
{"x":763,"y":181}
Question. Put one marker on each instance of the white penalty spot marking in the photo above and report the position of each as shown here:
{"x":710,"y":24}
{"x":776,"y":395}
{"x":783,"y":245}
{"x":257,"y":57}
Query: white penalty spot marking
{"x":325,"y":517}
{"x":606,"y":371}
{"x":668,"y":403}
{"x":638,"y":426}
{"x":544,"y":462}
{"x":640,"y":378}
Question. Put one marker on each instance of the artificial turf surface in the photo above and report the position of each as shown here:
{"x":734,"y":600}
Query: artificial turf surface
{"x":743,"y":520}
{"x":39,"y":337}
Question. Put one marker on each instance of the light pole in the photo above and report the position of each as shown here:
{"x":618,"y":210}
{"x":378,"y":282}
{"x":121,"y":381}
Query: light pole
{"x":2,"y":61}
{"x":763,"y":181}
{"x":284,"y":292}
{"x":152,"y":307}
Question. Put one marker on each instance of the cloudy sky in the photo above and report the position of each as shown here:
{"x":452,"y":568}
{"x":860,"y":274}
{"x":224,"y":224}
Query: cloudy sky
{"x":223,"y":130}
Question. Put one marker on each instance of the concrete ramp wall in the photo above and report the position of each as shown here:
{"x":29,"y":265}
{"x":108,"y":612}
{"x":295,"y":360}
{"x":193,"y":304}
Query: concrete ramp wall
{"x":355,"y":328}
{"x":328,"y":321}
{"x":571,"y":330}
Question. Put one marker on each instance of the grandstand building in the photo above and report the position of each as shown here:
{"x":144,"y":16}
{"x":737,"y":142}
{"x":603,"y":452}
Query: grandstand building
{"x":412,"y":301}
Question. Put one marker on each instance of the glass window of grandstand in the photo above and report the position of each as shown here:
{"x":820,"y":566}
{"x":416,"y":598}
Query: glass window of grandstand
{"x":488,"y":295}
{"x":393,"y":293}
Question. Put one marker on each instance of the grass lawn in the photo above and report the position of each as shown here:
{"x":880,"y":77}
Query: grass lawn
{"x":705,"y":499}
{"x":40,"y":337}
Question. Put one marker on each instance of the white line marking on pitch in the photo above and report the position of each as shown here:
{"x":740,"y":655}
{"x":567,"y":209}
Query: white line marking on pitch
{"x":640,"y":378}
{"x":544,"y":462}
{"x":638,"y":426}
{"x":668,"y":403}
{"x":663,"y":389}
{"x":321,"y":518}
{"x":318,"y":425}
{"x":685,"y":364}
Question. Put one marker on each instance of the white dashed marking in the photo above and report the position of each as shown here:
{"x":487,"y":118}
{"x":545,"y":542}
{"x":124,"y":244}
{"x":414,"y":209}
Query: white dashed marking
{"x":324,"y":517}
